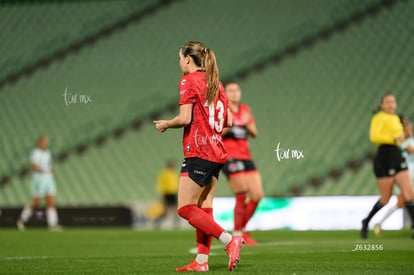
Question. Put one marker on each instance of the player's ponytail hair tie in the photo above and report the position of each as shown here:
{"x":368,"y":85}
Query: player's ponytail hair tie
{"x":205,"y":50}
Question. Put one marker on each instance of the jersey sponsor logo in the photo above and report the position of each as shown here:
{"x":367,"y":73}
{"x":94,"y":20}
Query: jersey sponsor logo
{"x":200,"y":140}
{"x":236,"y":166}
{"x":232,"y":167}
{"x":183,"y":92}
{"x":240,"y":165}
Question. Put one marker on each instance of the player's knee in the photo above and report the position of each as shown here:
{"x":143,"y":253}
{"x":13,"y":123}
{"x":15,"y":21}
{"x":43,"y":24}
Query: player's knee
{"x":257,"y":196}
{"x":35,"y":203}
{"x":50,"y":201}
{"x":207,"y":203}
{"x":239,"y":188}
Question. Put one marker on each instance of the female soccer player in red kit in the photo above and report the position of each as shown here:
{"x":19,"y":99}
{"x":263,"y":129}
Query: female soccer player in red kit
{"x":203,"y":114}
{"x":240,"y":170}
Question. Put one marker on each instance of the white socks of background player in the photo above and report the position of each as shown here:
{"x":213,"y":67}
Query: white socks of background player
{"x":26,"y":214}
{"x":52,"y":217}
{"x":388,"y":214}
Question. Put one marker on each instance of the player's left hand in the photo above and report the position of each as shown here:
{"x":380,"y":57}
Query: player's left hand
{"x":161,"y":125}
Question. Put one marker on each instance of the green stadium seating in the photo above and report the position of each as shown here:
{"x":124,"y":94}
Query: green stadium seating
{"x":328,"y":93}
{"x":352,"y":183}
{"x":318,"y":101}
{"x":31,"y":31}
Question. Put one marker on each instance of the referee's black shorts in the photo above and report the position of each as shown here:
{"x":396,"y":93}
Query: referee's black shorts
{"x":170,"y":199}
{"x":389,"y":161}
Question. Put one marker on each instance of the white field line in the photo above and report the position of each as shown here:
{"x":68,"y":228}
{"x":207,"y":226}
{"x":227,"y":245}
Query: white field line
{"x":283,"y":243}
{"x":342,"y":245}
{"x":18,"y":258}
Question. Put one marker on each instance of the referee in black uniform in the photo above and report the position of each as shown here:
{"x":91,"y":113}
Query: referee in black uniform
{"x":386,"y":131}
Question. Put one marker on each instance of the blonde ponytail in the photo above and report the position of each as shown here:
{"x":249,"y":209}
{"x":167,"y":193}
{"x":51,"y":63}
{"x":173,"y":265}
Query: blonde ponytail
{"x":212,"y":76}
{"x":206,"y":59}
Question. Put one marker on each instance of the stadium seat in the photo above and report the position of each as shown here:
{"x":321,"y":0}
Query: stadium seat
{"x":317,"y":101}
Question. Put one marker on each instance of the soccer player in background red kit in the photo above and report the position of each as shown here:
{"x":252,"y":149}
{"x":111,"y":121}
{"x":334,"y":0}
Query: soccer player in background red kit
{"x":203,"y":114}
{"x":240,"y":170}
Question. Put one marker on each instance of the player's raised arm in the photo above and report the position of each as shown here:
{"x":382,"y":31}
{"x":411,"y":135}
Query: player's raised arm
{"x":229,"y":121}
{"x":250,"y":124}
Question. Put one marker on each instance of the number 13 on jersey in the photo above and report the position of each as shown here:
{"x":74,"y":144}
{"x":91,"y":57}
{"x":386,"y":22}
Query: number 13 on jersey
{"x":216,"y":123}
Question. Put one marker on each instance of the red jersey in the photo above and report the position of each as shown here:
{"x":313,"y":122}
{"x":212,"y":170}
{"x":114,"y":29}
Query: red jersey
{"x":235,"y":141}
{"x":202,"y":137}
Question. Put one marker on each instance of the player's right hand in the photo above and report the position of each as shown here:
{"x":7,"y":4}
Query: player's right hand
{"x":161,"y":125}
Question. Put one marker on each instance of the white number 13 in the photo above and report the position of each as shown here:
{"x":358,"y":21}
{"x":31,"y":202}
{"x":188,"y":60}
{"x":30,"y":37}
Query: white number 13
{"x":217,"y":125}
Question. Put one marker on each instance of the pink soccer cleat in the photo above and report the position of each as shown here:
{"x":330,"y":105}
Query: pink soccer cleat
{"x":193,"y":267}
{"x":248,"y":240}
{"x":233,"y":251}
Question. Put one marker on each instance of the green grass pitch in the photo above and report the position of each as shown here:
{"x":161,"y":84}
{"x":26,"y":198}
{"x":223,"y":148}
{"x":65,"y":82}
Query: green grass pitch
{"x":126,"y":251}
